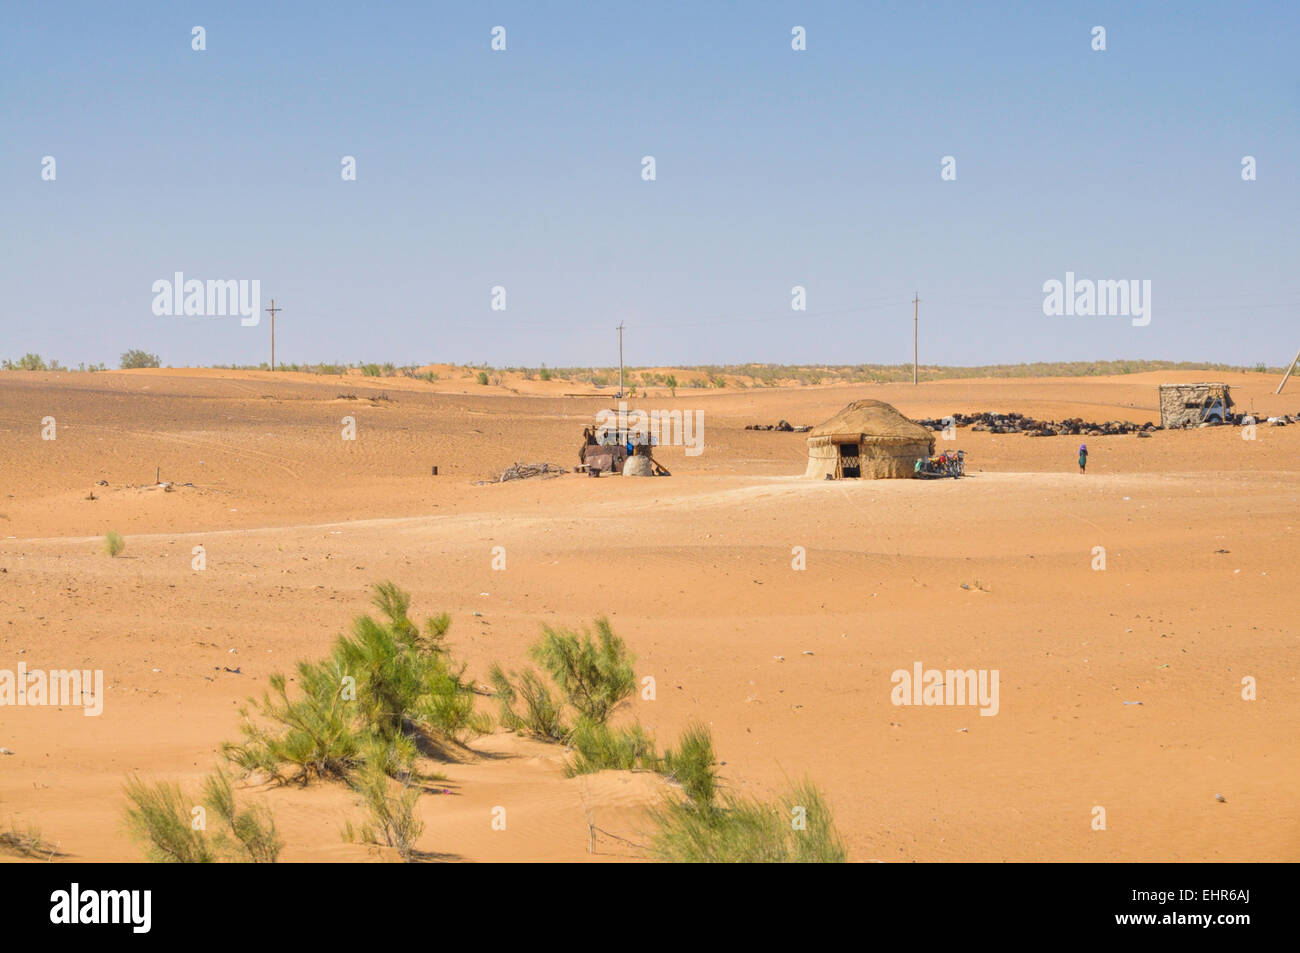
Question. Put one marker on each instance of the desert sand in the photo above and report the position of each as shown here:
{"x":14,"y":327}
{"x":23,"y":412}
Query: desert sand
{"x":790,"y":669}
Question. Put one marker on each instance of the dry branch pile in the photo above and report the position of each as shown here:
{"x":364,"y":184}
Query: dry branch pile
{"x":524,"y":471}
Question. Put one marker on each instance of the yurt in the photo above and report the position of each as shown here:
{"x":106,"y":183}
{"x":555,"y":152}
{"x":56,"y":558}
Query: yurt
{"x":867,"y":440}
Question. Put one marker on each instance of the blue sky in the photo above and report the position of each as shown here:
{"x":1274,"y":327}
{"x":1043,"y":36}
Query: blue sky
{"x":774,"y":168}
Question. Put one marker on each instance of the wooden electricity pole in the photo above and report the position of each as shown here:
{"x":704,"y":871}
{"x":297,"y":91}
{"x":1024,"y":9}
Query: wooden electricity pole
{"x":273,"y":309}
{"x":620,"y":360}
{"x":916,"y":301}
{"x":1290,"y":368}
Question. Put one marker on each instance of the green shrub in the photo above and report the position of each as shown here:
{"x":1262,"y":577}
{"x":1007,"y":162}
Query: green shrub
{"x":404,"y":679}
{"x":482,"y":377}
{"x":542,"y":716}
{"x":386,"y":686}
{"x":312,"y":734}
{"x":137,"y":358}
{"x":251,"y":834}
{"x":163,"y":818}
{"x":692,"y":765}
{"x":391,"y":819}
{"x":545,"y":373}
{"x":746,"y":831}
{"x":598,"y":747}
{"x":595,"y":676}
{"x":114,"y":543}
{"x":369,"y":370}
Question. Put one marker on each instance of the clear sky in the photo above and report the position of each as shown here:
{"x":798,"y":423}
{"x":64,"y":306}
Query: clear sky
{"x":775,"y":168}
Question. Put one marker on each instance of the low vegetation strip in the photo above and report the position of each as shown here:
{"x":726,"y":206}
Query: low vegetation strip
{"x":389,"y":695}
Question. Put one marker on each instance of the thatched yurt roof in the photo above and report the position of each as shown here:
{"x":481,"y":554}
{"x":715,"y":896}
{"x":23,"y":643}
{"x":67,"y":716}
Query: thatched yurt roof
{"x":868,"y":439}
{"x":869,"y":422}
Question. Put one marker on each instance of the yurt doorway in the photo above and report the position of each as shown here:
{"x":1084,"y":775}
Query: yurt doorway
{"x":850,"y":467}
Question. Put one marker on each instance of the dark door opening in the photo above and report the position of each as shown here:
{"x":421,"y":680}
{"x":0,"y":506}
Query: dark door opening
{"x":849,"y":466}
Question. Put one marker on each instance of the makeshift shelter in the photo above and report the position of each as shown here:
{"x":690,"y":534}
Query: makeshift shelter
{"x":1186,"y":405}
{"x":869,"y":440}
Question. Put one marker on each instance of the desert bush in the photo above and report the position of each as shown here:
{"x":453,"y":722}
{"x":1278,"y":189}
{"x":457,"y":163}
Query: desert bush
{"x":542,"y":716}
{"x":739,"y":830}
{"x":691,"y":764}
{"x":598,"y":747}
{"x":26,"y":842}
{"x":136,"y":358}
{"x":114,"y":543}
{"x":369,"y":370}
{"x":391,"y":819}
{"x":482,"y":377}
{"x":251,"y":834}
{"x":161,"y":817}
{"x":594,"y":675}
{"x":312,"y":734}
{"x":385,"y":686}
{"x":404,"y":678}
{"x":28,"y":362}
{"x":545,"y":373}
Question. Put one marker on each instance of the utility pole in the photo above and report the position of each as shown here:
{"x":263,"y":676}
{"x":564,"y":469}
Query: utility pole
{"x":620,"y":360}
{"x":916,"y":301}
{"x":273,"y":309}
{"x":1289,"y":369}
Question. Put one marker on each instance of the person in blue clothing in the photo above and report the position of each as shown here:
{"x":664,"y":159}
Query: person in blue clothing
{"x":1083,"y":457}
